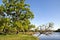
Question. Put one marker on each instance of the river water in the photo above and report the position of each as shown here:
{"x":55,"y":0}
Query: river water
{"x":53,"y":36}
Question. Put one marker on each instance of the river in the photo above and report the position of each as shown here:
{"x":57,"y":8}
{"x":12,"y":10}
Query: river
{"x":53,"y":36}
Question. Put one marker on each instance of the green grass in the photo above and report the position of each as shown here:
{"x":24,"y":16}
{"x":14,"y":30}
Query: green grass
{"x":17,"y":37}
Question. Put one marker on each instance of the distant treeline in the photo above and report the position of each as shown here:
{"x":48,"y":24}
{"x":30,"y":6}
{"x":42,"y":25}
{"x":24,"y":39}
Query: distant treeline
{"x":57,"y":30}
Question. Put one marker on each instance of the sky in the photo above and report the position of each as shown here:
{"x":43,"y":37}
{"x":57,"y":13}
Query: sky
{"x":45,"y":11}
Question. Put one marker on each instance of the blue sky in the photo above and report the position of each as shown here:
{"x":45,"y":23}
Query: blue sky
{"x":45,"y":11}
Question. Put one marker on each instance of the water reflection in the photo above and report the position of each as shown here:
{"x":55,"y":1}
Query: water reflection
{"x":53,"y":36}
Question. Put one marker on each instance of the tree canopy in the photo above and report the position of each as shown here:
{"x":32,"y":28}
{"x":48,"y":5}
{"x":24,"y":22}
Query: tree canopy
{"x":15,"y":15}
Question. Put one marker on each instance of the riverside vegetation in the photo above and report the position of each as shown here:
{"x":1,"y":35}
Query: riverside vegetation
{"x":15,"y":16}
{"x":18,"y":37}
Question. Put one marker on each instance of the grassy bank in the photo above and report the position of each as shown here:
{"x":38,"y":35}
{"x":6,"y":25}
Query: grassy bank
{"x":17,"y":37}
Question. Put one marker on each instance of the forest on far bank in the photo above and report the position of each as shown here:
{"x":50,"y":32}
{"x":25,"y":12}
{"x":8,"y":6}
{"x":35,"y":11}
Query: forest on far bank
{"x":58,"y":30}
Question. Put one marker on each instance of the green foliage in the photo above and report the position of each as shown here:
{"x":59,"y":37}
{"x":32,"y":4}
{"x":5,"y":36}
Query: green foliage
{"x":15,"y":16}
{"x":31,"y":26}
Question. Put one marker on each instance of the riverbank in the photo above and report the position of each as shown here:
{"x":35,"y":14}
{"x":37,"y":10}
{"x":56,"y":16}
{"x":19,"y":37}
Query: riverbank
{"x":17,"y":37}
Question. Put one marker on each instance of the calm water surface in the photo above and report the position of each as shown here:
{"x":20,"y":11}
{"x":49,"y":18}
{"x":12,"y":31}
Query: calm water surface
{"x":53,"y":36}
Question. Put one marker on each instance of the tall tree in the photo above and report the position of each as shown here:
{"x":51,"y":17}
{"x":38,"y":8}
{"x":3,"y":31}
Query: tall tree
{"x":18,"y":12}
